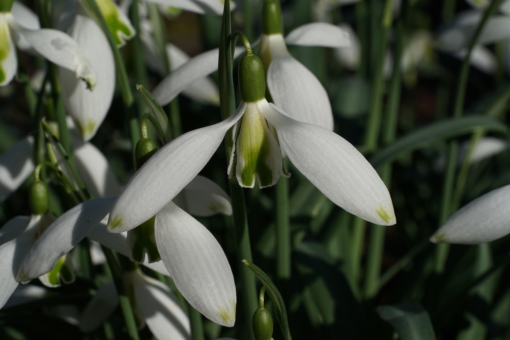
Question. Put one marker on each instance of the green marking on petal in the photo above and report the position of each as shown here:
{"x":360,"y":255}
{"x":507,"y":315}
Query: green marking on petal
{"x":54,"y":274}
{"x":225,"y":315}
{"x":5,"y":47}
{"x":384,"y":215}
{"x":143,"y":241}
{"x":440,"y":238}
{"x":116,"y":222}
{"x":119,"y":25}
{"x":87,"y":129}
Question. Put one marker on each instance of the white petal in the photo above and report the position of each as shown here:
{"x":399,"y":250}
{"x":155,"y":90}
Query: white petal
{"x":160,"y":308}
{"x":297,"y":91}
{"x":349,"y":57}
{"x":196,"y":68}
{"x":62,"y":235}
{"x":100,"y":307}
{"x":318,"y":34}
{"x":197,"y":6}
{"x":483,"y":220}
{"x":203,"y":197}
{"x":118,"y":243}
{"x":334,"y":166}
{"x":481,"y":58}
{"x":26,"y":293}
{"x":166,"y":173}
{"x":89,"y":108}
{"x":13,"y":228}
{"x":95,"y":171}
{"x":485,"y":148}
{"x":25,"y":17}
{"x":12,"y":254}
{"x":8,"y":60}
{"x":16,"y":165}
{"x":58,"y":48}
{"x":199,"y":266}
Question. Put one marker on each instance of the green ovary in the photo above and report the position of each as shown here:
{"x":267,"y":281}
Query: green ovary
{"x":117,"y":27}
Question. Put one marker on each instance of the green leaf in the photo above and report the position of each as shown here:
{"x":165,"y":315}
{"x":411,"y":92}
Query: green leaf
{"x":276,"y":298}
{"x":156,"y":111}
{"x":435,"y":132}
{"x":410,"y":321}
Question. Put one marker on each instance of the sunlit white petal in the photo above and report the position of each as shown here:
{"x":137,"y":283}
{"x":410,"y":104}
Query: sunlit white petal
{"x":334,"y":166}
{"x":318,"y":34}
{"x":62,"y":235}
{"x":199,"y":266}
{"x":166,"y":173}
{"x":203,"y":197}
{"x":16,"y":165}
{"x":99,"y":308}
{"x":483,"y":220}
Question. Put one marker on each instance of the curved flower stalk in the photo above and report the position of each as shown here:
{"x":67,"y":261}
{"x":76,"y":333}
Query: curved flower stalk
{"x":53,"y":45}
{"x":153,"y":303}
{"x":263,"y":133}
{"x":191,"y":254}
{"x":483,"y":220}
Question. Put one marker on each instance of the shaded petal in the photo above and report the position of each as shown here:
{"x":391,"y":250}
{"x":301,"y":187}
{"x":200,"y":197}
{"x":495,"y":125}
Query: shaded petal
{"x":296,"y":90}
{"x":58,"y":48}
{"x":24,"y":294}
{"x":318,"y":34}
{"x":481,"y":58}
{"x":334,"y":166}
{"x":13,"y":228}
{"x":160,"y":309}
{"x":62,"y":236}
{"x":199,"y":266}
{"x":89,"y":108}
{"x":166,"y":173}
{"x":95,"y":171}
{"x":486,"y":147}
{"x":203,"y":197}
{"x":25,"y":17}
{"x":197,"y":6}
{"x":8,"y":60}
{"x":12,"y":254}
{"x":118,"y":242}
{"x":483,"y":220}
{"x":195,"y":69}
{"x":100,"y":307}
{"x":349,"y":57}
{"x":16,"y":165}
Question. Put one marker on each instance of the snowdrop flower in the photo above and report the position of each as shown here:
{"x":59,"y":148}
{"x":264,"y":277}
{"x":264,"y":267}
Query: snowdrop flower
{"x":197,"y":6}
{"x":483,"y":220}
{"x":153,"y":303}
{"x":53,"y":45}
{"x":262,"y":134}
{"x":191,"y":254}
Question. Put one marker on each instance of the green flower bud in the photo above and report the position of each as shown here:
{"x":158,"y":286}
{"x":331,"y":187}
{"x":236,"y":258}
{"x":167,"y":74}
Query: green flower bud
{"x":272,"y":17}
{"x":145,"y":148}
{"x":262,"y":324}
{"x":252,"y":81}
{"x":6,"y":5}
{"x":39,"y":198}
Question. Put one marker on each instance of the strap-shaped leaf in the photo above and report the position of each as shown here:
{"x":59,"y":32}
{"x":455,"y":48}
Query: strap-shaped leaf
{"x":410,"y":321}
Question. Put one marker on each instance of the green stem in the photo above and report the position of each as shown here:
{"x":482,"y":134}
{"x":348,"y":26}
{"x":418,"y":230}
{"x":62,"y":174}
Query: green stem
{"x":248,"y":19}
{"x":137,"y":48}
{"x":447,"y":197}
{"x":125,"y":305}
{"x":197,"y":327}
{"x":283,"y":268}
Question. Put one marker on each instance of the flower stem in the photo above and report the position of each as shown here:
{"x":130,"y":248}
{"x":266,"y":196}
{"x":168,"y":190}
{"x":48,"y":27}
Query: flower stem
{"x":283,"y":268}
{"x":197,"y":327}
{"x":248,"y":18}
{"x":447,"y":196}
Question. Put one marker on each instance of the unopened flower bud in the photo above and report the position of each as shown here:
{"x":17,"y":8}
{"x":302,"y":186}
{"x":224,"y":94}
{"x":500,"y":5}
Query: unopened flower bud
{"x":262,"y":324}
{"x":145,"y":148}
{"x":252,"y":81}
{"x":38,"y":197}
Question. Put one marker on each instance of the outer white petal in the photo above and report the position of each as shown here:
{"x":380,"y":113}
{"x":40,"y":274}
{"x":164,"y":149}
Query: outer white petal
{"x":25,"y":17}
{"x":485,"y":148}
{"x":89,"y":108}
{"x":94,"y":169}
{"x":16,"y":165}
{"x":481,"y":58}
{"x":199,"y":266}
{"x":483,"y":220}
{"x":62,"y":235}
{"x":24,"y":294}
{"x":99,"y":308}
{"x":11,"y":256}
{"x":197,"y":6}
{"x":349,"y":57}
{"x":318,"y":34}
{"x":118,"y":243}
{"x":13,"y":228}
{"x":203,"y":197}
{"x":296,"y":90}
{"x":196,"y":68}
{"x":166,"y":173}
{"x":334,"y":166}
{"x":58,"y":48}
{"x":8,"y":60}
{"x":160,"y":309}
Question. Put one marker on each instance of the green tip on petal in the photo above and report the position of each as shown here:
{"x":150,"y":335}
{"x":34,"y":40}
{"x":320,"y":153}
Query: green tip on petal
{"x":386,"y":217}
{"x":119,"y":25}
{"x":226,"y":316}
{"x":439,"y":238}
{"x":115,"y":222}
{"x":87,"y":129}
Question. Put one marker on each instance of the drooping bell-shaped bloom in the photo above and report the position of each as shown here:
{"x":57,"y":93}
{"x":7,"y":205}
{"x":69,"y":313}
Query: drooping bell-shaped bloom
{"x":483,"y":220}
{"x":53,"y":45}
{"x":153,"y":303}
{"x":326,"y":159}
